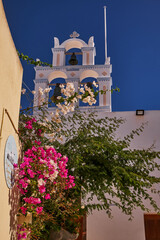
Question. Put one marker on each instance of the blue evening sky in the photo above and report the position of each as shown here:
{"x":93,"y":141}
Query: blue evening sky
{"x":133,"y":41}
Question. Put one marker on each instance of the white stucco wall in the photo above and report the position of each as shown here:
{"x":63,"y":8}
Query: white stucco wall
{"x":99,"y":226}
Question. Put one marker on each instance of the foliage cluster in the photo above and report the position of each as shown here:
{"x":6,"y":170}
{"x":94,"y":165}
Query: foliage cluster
{"x":107,"y":171}
{"x":105,"y":167}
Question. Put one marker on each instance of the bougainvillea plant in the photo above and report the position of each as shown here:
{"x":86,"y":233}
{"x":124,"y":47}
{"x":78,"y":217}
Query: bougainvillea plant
{"x":106,"y":168}
{"x":47,"y":190}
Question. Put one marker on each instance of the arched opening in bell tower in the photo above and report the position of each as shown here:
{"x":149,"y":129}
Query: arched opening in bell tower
{"x":55,"y":91}
{"x":89,"y":82}
{"x":73,"y":57}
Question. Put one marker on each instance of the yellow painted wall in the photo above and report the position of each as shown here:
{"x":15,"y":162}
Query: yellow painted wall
{"x":10,"y":88}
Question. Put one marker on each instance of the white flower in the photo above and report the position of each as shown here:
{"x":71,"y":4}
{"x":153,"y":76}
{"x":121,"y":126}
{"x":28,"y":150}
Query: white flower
{"x":51,"y":134}
{"x":59,"y":97}
{"x":41,"y":182}
{"x":46,"y":175}
{"x":40,"y":91}
{"x":74,"y":100}
{"x":71,"y":85}
{"x":53,"y":164}
{"x":61,"y":86}
{"x":72,"y":109}
{"x":41,"y":161}
{"x":59,"y":105}
{"x":51,"y":140}
{"x":87,"y":99}
{"x":53,"y":176}
{"x":58,"y":120}
{"x":43,"y":124}
{"x":79,"y":96}
{"x":57,"y":113}
{"x":94,"y":83}
{"x":62,"y":90}
{"x":82,"y":90}
{"x":23,"y":91}
{"x":46,"y":119}
{"x":64,"y":111}
{"x":48,"y":146}
{"x":53,"y":119}
{"x":47,"y":90}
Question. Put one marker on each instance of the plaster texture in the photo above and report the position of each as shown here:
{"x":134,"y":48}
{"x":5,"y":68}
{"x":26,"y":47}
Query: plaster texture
{"x":10,"y":89}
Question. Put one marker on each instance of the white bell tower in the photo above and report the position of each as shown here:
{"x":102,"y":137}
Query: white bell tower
{"x":77,"y":73}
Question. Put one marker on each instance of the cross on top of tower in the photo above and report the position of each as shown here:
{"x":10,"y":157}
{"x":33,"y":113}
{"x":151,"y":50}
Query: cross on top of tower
{"x":74,"y":34}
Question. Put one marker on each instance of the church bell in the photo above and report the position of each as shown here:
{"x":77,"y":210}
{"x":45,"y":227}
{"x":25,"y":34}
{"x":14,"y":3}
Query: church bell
{"x":89,"y":85}
{"x":57,"y":92}
{"x":73,"y":60}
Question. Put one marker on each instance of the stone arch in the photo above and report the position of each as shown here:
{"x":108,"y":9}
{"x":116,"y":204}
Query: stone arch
{"x":88,"y":73}
{"x":56,"y":74}
{"x":73,"y":43}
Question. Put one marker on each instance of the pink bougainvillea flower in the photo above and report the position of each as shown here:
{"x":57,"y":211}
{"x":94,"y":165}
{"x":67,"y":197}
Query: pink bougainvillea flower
{"x":34,"y":120}
{"x":38,"y":142}
{"x":39,"y":210}
{"x":39,"y":131}
{"x":22,"y":173}
{"x":23,"y":210}
{"x":22,"y":232}
{"x":42,"y":189}
{"x":23,"y":183}
{"x":34,"y":149}
{"x":31,"y":173}
{"x":37,"y":200}
{"x":24,"y":235}
{"x":48,"y":196}
{"x":21,"y":191}
{"x":32,"y":200}
{"x":29,"y":126}
{"x":15,"y":165}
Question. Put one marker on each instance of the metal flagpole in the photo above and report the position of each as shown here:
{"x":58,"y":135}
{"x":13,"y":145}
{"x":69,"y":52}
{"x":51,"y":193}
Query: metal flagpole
{"x":105,"y":31}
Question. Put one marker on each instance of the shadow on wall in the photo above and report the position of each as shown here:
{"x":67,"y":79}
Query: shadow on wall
{"x":13,"y":201}
{"x":14,"y":204}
